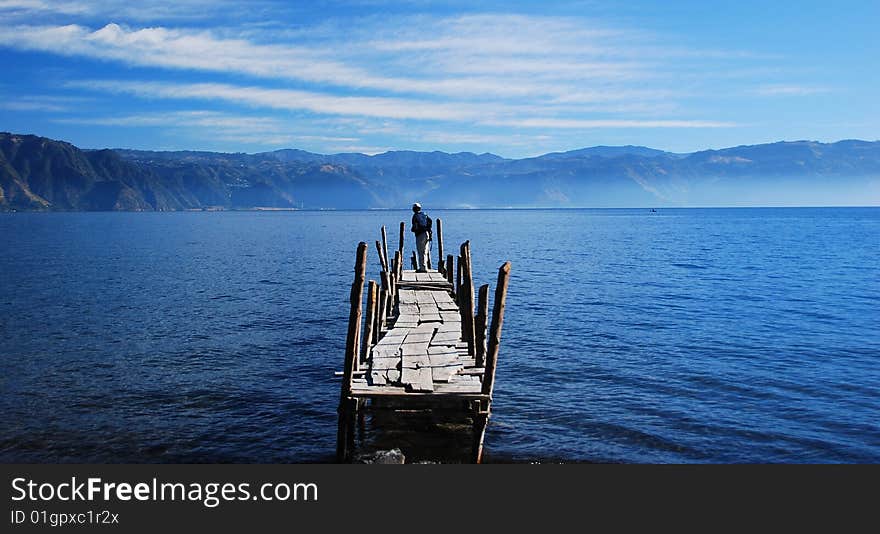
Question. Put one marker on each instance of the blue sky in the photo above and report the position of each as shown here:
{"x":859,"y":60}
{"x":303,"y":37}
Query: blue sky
{"x":513,"y":78}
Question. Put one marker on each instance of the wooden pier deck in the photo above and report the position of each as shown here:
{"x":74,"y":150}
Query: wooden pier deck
{"x":421,"y":344}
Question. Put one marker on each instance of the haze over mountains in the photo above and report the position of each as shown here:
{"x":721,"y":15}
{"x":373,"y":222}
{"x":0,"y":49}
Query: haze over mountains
{"x":37,"y":173}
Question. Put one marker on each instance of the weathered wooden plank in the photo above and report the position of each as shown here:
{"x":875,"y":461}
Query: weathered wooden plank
{"x":464,"y":378}
{"x":441,"y":359}
{"x":440,"y":349}
{"x":392,"y":376}
{"x":472,"y":371}
{"x":444,"y":374}
{"x":400,"y":392}
{"x":412,"y":349}
{"x":415,"y":361}
{"x":453,"y":387}
{"x":384,"y":363}
{"x":417,"y":379}
{"x":450,"y":337}
{"x":419,"y":337}
{"x":442,"y":296}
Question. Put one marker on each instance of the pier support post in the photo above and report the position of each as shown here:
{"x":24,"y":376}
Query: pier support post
{"x":481,"y":410}
{"x":480,"y":322}
{"x":385,"y":247}
{"x":495,"y":329}
{"x":450,"y":271}
{"x":381,"y":259}
{"x":384,"y":299}
{"x":398,"y":273}
{"x":440,"y":266}
{"x":458,"y":268}
{"x":481,"y":421}
{"x":402,"y":233}
{"x":466,"y":298}
{"x":347,"y":404}
{"x":369,"y":322}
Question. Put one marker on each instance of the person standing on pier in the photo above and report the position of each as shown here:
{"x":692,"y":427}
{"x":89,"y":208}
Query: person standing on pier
{"x":421,"y":226}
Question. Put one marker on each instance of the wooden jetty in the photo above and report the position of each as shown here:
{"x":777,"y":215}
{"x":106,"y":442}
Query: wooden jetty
{"x":419,"y":344}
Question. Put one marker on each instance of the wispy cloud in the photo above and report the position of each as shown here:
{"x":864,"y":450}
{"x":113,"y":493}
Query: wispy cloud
{"x":484,"y":57}
{"x":377,"y":107}
{"x":491,"y":79}
{"x":144,"y":11}
{"x":293,"y":100}
{"x":213,"y":125}
{"x":188,"y":118}
{"x":789,"y":90}
{"x":612,"y":123}
{"x":41,"y":103}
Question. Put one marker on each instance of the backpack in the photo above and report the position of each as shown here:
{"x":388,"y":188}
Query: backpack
{"x":421,"y":223}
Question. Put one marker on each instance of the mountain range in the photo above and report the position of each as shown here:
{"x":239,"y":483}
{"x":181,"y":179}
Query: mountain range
{"x":37,"y":173}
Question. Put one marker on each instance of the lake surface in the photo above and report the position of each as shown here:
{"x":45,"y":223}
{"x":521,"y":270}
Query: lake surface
{"x":692,"y":335}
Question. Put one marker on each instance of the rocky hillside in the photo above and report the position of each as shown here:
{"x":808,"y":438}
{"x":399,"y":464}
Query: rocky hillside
{"x":42,"y":174}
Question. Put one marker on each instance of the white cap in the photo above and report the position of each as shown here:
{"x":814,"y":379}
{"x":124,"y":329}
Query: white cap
{"x":417,"y":205}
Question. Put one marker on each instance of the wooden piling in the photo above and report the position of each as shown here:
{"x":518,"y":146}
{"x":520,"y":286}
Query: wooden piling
{"x":481,"y":421}
{"x":458,"y":268}
{"x":440,"y":266}
{"x":495,"y":329}
{"x":346,"y":410}
{"x":385,"y":247}
{"x":381,"y":258}
{"x":369,"y":321}
{"x":480,"y":325}
{"x":402,"y":233}
{"x":466,"y":299}
{"x":398,"y":273}
{"x":450,"y":273}
{"x":481,"y":412}
{"x":383,"y":300}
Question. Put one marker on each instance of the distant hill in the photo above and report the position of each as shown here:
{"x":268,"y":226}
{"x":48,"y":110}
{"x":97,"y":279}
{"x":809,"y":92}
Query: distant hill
{"x":608,"y":152}
{"x":37,"y":173}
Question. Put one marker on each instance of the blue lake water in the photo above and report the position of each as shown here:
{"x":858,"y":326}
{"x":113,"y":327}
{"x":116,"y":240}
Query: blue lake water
{"x":692,"y":335}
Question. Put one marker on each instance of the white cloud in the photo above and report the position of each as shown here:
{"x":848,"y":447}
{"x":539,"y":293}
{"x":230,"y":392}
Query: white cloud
{"x":189,"y":118}
{"x":789,"y":90}
{"x":486,"y":67}
{"x":488,"y":79}
{"x":585,"y":124}
{"x":377,"y":107}
{"x":152,"y":10}
{"x":295,"y":100}
{"x":41,"y":103}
